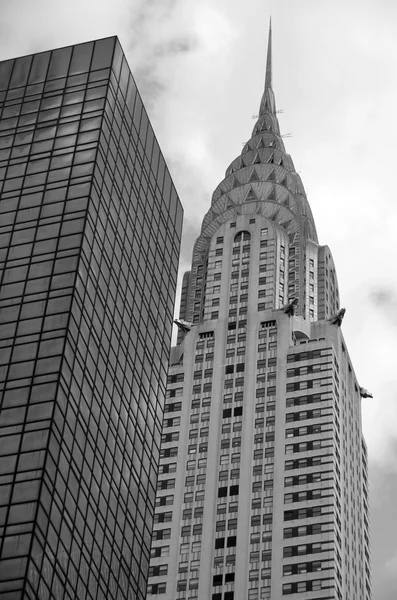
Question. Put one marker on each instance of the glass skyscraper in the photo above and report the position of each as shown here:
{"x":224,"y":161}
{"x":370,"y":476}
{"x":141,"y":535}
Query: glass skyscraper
{"x":263,"y":489}
{"x":90,"y":227}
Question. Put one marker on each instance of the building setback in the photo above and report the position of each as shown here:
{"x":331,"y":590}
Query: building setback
{"x":90,"y":228}
{"x":262,"y":490}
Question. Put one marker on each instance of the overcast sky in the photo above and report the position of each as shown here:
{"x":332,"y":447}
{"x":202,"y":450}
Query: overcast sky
{"x":200,"y":65}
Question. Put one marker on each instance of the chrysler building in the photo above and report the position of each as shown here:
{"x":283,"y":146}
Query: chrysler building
{"x":262,"y":489}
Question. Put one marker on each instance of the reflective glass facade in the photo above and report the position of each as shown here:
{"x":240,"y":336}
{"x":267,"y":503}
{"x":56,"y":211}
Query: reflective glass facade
{"x":90,"y":227}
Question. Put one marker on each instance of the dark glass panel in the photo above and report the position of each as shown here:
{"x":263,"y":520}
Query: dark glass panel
{"x":5,"y":72}
{"x":20,"y":71}
{"x":103,"y":53}
{"x":81,"y":58}
{"x":124,"y":76}
{"x":59,"y":63}
{"x":137,"y":111}
{"x":39,"y":67}
{"x":117,"y":59}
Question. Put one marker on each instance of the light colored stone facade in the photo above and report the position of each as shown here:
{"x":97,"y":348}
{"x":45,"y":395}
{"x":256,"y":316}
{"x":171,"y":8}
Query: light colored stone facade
{"x":262,"y":490}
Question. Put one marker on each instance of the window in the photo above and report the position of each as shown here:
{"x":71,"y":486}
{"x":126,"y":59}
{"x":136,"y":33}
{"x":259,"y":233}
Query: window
{"x":219,"y":543}
{"x":242,"y":236}
{"x":174,"y":422}
{"x":287,"y":589}
{"x":169,"y":468}
{"x":164,"y":501}
{"x":157,"y":588}
{"x":181,"y":586}
{"x":159,"y":570}
{"x":166,"y":484}
{"x":162,"y":534}
{"x":170,"y":437}
{"x":221,"y":525}
{"x":160,"y":551}
{"x":197,"y":529}
{"x":185,"y":531}
{"x":164,"y":517}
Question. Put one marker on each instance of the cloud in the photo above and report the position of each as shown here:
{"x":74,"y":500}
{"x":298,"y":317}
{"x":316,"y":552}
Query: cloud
{"x":199,"y":66}
{"x":384,"y":298}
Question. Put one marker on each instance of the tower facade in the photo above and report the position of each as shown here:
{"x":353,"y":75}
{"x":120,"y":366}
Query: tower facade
{"x":262,"y":490}
{"x":90,"y":228}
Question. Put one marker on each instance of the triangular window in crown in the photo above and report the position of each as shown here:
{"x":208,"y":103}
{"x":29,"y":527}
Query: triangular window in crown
{"x":284,"y":181}
{"x":253,"y":176}
{"x":286,"y":225}
{"x":261,"y":143}
{"x":272,"y":195}
{"x":257,"y":159}
{"x":281,"y":163}
{"x":271,"y":176}
{"x":242,"y":164}
{"x":270,"y":160}
{"x":271,"y":144}
{"x":251,"y":196}
{"x":229,"y":204}
{"x":236,"y":183}
{"x":286,"y":202}
{"x":275,"y":216}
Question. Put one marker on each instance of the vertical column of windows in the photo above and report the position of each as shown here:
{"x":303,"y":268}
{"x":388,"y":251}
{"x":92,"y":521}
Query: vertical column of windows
{"x":354,"y":493}
{"x":321,"y":418}
{"x":281,"y":274}
{"x":263,"y":464}
{"x":312,"y":289}
{"x":198,"y":286}
{"x":166,"y":484}
{"x":239,"y":276}
{"x":213,"y":281}
{"x":231,"y":426}
{"x":195,"y":473}
{"x":294,"y":269}
{"x":266,"y":281}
